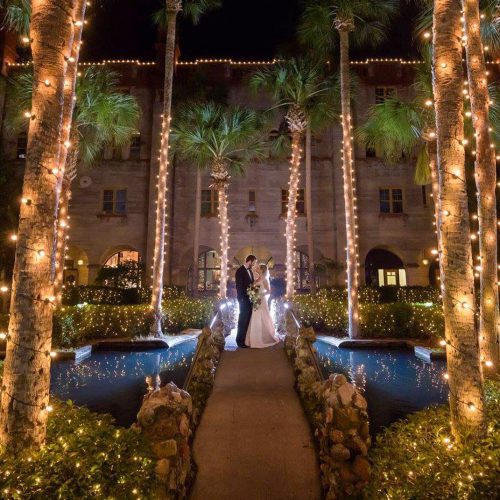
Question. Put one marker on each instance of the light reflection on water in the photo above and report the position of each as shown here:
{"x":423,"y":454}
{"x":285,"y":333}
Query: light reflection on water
{"x":115,"y":382}
{"x":394,"y":381}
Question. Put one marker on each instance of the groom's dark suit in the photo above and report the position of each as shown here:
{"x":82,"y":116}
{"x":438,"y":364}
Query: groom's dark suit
{"x":244,"y":278}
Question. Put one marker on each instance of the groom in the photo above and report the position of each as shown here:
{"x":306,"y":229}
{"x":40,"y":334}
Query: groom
{"x":244,"y":278}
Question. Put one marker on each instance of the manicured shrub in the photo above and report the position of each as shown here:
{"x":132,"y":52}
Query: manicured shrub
{"x":115,"y":296}
{"x":418,"y":459}
{"x":398,"y":320}
{"x":76,"y":325}
{"x":85,"y":456}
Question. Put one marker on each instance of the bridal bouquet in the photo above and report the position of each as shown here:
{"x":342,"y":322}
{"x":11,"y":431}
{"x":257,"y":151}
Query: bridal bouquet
{"x":254,"y":296}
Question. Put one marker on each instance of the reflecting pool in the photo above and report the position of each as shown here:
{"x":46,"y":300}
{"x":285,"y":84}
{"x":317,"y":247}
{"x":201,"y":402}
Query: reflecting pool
{"x":394,"y":381}
{"x":115,"y":381}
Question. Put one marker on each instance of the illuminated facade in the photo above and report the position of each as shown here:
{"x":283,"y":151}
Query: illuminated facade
{"x":113,"y":204}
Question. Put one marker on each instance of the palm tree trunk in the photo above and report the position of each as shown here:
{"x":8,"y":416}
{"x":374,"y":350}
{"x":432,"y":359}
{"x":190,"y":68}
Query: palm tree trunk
{"x":173,"y":8}
{"x":310,"y":238}
{"x":224,"y":240}
{"x":196,"y":240}
{"x":349,"y":189}
{"x":432,"y":150}
{"x":63,"y":215}
{"x":67,"y":146}
{"x":457,"y":279}
{"x":291,"y":217}
{"x":26,"y":377}
{"x":486,"y":179}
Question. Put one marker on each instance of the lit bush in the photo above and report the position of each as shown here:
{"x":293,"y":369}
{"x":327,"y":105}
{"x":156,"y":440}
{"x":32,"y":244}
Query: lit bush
{"x":76,"y":325}
{"x":396,"y":320}
{"x":413,"y":459}
{"x":115,"y":296}
{"x":85,"y":456}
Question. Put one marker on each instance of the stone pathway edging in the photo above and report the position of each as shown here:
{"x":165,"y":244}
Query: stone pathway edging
{"x":254,"y":441}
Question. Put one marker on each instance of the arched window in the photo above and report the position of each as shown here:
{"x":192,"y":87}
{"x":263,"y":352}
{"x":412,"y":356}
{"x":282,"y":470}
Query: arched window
{"x":383,"y":268}
{"x":208,"y":272}
{"x":120,"y":257}
{"x":122,"y":270}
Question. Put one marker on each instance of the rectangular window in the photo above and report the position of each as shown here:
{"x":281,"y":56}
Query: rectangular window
{"x":114,"y":201}
{"x":251,"y":201}
{"x":300,"y":203}
{"x":391,"y":200}
{"x":209,"y":202}
{"x":135,"y":147}
{"x":382,"y":93}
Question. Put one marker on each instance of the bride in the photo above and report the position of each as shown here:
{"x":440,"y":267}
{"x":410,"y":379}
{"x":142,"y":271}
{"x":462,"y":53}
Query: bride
{"x":261,"y":332}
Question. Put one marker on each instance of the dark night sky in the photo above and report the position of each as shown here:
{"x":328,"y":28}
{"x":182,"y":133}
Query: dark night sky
{"x":252,"y":29}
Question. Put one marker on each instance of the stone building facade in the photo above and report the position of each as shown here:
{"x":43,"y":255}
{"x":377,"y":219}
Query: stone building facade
{"x":113,"y":203}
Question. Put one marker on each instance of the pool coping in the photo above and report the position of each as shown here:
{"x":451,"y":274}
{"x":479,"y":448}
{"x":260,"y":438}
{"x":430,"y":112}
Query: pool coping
{"x":362,"y":343}
{"x":422,"y":352}
{"x":81,"y":353}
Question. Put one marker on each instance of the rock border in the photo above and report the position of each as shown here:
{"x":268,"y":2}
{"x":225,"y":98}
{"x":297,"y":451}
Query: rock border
{"x":169,"y":416}
{"x":338,"y":415}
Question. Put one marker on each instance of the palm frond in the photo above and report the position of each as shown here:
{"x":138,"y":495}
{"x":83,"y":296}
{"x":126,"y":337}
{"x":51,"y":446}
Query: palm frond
{"x":422,"y":167}
{"x":17,"y":15}
{"x":393,"y":127}
{"x":193,"y":10}
{"x":206,"y":133}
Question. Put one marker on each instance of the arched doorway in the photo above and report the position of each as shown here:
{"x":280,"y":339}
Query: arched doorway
{"x":76,"y":270}
{"x":262,"y":253}
{"x":122,"y":268}
{"x":208,"y":272}
{"x":384,"y":268}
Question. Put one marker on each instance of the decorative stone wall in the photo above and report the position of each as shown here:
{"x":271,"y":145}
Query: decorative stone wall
{"x":164,"y":418}
{"x":169,"y":416}
{"x":338,"y":414}
{"x":200,"y":386}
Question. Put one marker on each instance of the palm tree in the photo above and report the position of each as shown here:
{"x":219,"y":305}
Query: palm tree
{"x":466,"y":392}
{"x":223,"y":140}
{"x":26,"y":378}
{"x":367,"y":20}
{"x":481,"y":30}
{"x":486,"y":181}
{"x":102,"y":116}
{"x":297,"y":85}
{"x":194,"y":8}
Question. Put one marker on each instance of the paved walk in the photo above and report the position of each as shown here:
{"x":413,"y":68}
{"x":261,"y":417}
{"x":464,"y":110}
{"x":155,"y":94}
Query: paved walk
{"x":254,"y":442}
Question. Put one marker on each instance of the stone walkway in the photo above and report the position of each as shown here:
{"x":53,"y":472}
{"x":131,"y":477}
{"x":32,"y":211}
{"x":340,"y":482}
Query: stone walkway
{"x":254,"y":441}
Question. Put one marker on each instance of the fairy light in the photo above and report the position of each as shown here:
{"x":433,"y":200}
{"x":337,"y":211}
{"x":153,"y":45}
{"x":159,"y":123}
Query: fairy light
{"x":67,"y":175}
{"x":161,"y":236}
{"x":485,"y":179}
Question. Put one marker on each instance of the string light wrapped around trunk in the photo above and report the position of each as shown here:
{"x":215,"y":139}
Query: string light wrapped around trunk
{"x":161,"y":234}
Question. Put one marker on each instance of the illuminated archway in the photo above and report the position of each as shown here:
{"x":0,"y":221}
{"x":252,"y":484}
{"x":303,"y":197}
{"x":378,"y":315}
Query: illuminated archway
{"x":76,"y":270}
{"x":384,"y":268}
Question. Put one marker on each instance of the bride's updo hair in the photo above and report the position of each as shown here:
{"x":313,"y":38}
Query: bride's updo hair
{"x":264,"y":270}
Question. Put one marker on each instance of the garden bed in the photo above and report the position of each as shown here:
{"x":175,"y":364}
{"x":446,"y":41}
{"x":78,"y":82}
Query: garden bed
{"x":398,"y":320}
{"x":417,"y":458}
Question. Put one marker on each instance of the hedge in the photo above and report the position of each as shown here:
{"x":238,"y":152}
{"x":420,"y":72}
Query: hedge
{"x":398,"y":320}
{"x":76,"y":325}
{"x":115,"y":296}
{"x":85,"y":456}
{"x":418,"y":459}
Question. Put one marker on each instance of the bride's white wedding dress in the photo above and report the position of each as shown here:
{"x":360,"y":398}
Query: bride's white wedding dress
{"x":261,"y":331}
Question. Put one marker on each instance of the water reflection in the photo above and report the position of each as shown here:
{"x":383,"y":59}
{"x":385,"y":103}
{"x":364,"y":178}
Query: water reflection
{"x":115,"y":382}
{"x":395,"y":381}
